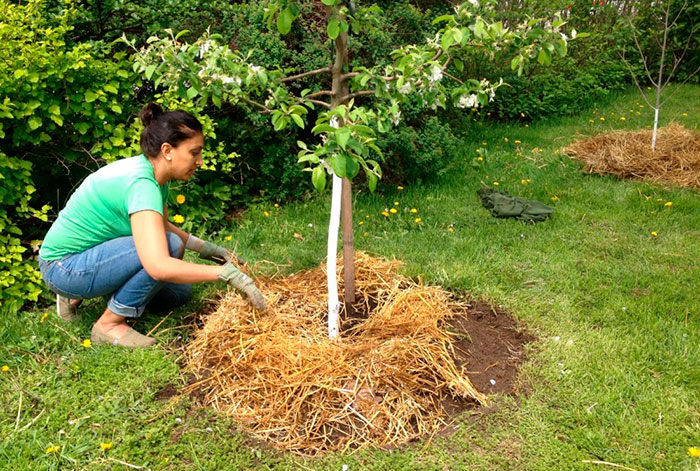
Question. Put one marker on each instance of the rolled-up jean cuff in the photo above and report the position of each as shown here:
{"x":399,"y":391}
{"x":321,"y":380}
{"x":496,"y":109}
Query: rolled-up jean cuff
{"x":124,"y":311}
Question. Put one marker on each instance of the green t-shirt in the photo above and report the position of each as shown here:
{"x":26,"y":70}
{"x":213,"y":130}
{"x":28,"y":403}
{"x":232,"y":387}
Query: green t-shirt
{"x":99,"y":209}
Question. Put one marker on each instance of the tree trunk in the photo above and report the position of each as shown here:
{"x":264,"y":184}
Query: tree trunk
{"x":659,"y":82}
{"x":343,"y":190}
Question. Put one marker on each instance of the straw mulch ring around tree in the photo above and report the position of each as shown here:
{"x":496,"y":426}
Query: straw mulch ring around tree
{"x":628,"y":154}
{"x":384,"y":382}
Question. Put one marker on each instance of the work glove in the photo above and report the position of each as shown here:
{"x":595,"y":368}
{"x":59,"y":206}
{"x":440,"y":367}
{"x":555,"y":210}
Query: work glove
{"x":216,"y":253}
{"x":243,"y":284}
{"x":212,"y":252}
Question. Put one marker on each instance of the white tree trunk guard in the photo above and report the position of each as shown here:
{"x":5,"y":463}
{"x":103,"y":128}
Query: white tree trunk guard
{"x":333,"y":303}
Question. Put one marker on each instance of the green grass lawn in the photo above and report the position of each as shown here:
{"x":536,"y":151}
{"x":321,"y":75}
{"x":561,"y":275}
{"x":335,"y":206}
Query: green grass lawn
{"x":614,"y":375}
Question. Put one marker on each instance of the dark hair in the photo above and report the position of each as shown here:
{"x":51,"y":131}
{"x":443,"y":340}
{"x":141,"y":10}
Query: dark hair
{"x":172,"y":127}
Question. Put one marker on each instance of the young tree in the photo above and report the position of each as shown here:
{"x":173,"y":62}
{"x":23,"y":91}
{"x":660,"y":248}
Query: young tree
{"x":207,"y":70}
{"x":664,"y":19}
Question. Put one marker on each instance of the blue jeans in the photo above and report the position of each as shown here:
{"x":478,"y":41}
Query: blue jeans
{"x":113,"y":268}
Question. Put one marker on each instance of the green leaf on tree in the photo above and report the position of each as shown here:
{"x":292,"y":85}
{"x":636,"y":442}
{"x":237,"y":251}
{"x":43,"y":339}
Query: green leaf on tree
{"x":149,"y":71}
{"x":284,"y":21}
{"x":342,"y":135}
{"x":297,"y":119}
{"x":318,"y":177}
{"x":333,"y":28}
{"x":352,"y":168}
{"x":339,"y":165}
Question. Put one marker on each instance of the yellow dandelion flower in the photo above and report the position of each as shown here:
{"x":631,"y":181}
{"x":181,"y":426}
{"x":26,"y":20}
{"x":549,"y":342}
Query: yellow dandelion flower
{"x":180,"y":199}
{"x":496,"y":183}
{"x":524,"y":182}
{"x":668,"y":204}
{"x":522,"y":114}
{"x":590,"y":120}
{"x":87,"y":343}
{"x":277,"y":205}
{"x":554,"y":199}
{"x":654,"y":233}
{"x":418,"y":220}
{"x":505,"y":139}
{"x":385,"y":214}
{"x":228,"y":237}
{"x":527,"y":125}
{"x":5,"y":368}
{"x":396,"y":203}
{"x":694,"y":452}
{"x":602,"y":118}
{"x":686,"y":114}
{"x":44,"y":317}
{"x":392,"y":210}
{"x":450,"y":229}
{"x":517,"y":141}
{"x":367,"y":217}
{"x":622,"y":118}
{"x":480,"y":159}
{"x":414,"y":210}
{"x":399,"y":188}
{"x":106,"y":446}
{"x":53,"y":449}
{"x":266,"y":214}
{"x":178,"y":219}
{"x":483,"y":143}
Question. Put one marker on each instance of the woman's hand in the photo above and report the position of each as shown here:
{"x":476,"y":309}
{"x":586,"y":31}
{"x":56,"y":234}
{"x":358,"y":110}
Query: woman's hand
{"x":217,"y":254}
{"x":244,"y":284}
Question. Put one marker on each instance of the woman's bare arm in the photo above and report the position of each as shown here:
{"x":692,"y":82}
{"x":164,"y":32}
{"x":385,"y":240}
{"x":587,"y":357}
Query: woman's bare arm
{"x":152,"y":248}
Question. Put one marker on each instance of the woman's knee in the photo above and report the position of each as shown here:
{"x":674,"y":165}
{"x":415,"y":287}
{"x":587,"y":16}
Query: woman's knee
{"x":175,"y":245}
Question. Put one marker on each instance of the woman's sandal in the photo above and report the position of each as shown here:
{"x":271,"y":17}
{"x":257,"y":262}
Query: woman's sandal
{"x":65,"y":309}
{"x":131,"y":339}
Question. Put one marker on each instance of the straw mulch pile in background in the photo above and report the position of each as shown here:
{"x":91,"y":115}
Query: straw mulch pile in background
{"x":283,"y":380}
{"x":628,"y":154}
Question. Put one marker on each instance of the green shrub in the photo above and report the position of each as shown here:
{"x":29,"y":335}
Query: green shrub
{"x":62,"y":111}
{"x":20,"y":280}
{"x":420,"y":153}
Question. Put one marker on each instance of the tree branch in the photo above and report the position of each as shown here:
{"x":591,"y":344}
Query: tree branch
{"x":358,"y":94}
{"x":319,"y":102}
{"x":306,"y":74}
{"x":255,"y":103}
{"x":677,"y":61}
{"x":681,"y":84}
{"x":447,"y":74}
{"x":634,"y":77}
{"x":641,"y":53}
{"x":349,"y":75}
{"x":321,"y":93}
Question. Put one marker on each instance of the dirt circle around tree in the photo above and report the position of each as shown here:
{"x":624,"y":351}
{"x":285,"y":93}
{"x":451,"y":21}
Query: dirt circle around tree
{"x":410,"y":359}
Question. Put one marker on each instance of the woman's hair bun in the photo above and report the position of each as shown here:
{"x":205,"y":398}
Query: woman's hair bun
{"x":149,"y":113}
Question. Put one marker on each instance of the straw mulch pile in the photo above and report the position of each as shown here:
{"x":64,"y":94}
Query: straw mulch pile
{"x":626,"y":154}
{"x":283,"y":380}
